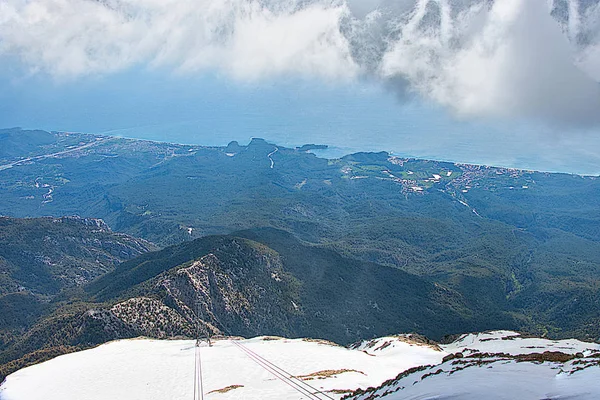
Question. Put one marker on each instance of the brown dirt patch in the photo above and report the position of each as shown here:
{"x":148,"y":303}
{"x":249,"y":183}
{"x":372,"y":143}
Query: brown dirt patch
{"x":226,"y":389}
{"x":327,"y":373}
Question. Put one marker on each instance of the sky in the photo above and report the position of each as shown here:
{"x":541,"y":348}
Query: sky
{"x":506,"y":82}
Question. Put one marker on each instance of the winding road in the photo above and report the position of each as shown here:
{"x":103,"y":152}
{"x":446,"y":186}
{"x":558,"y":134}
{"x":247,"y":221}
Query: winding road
{"x":270,"y":154}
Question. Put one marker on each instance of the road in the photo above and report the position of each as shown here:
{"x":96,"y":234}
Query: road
{"x":24,"y":160}
{"x":270,"y":154}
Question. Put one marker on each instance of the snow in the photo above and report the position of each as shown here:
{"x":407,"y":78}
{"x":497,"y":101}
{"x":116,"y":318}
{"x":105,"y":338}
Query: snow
{"x":499,"y":377}
{"x":147,"y":369}
{"x":511,"y":343}
{"x":157,"y":370}
{"x":501,"y":381}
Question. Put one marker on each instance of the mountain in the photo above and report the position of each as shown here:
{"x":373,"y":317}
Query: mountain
{"x":276,"y":284}
{"x":40,"y":257}
{"x":499,"y":365}
{"x":523,"y":241}
{"x":152,"y":369}
{"x":234,"y":285}
{"x":491,"y":365}
{"x":459,"y":247}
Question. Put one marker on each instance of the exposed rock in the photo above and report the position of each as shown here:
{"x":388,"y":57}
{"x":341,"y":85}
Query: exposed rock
{"x":152,"y":318}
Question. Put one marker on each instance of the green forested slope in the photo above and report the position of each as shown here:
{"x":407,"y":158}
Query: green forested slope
{"x":493,"y":247}
{"x":273,"y":284}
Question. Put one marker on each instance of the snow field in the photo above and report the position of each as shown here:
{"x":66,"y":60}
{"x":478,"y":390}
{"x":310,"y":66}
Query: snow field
{"x":158,"y":370}
{"x":164,"y":369}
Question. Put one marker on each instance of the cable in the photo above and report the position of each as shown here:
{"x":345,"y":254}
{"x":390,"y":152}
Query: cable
{"x":274,"y":372}
{"x":200,"y":381}
{"x":277,"y":370}
{"x":289,"y":375}
{"x":279,"y":376}
{"x":195,"y":372}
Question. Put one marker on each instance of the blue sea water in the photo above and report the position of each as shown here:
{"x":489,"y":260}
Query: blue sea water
{"x":347,"y":116}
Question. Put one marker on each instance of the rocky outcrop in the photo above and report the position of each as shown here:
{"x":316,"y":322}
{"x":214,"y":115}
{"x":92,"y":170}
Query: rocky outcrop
{"x":239,"y":288}
{"x":150,"y":317}
{"x":242,"y":289}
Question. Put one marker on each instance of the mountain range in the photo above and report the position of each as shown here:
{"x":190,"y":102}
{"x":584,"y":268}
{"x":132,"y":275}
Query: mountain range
{"x":266,"y":240}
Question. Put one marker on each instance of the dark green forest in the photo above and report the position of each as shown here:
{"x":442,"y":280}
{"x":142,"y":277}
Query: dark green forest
{"x":363,"y":246}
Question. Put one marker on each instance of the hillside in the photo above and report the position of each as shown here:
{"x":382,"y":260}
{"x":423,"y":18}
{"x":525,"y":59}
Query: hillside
{"x":499,"y":365}
{"x":277,"y":368}
{"x":244,"y":287}
{"x":41,"y":257}
{"x":309,"y":285}
{"x":165,"y":192}
{"x":501,"y":237}
{"x":152,"y":370}
{"x":394,"y":244}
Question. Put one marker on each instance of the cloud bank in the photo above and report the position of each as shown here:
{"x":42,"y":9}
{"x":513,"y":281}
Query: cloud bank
{"x":480,"y":58}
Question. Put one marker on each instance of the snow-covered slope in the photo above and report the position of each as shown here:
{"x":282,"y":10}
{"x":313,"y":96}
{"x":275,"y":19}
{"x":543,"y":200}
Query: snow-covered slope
{"x":513,"y":343}
{"x":502,"y":365}
{"x":493,"y":365}
{"x":160,"y":370}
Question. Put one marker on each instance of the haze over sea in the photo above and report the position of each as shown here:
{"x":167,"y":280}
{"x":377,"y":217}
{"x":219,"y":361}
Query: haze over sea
{"x":358,"y":116}
{"x":511,"y":83}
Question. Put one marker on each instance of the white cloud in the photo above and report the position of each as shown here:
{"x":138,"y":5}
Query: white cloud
{"x":510,"y":59}
{"x":515,"y":58}
{"x":248,"y":39}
